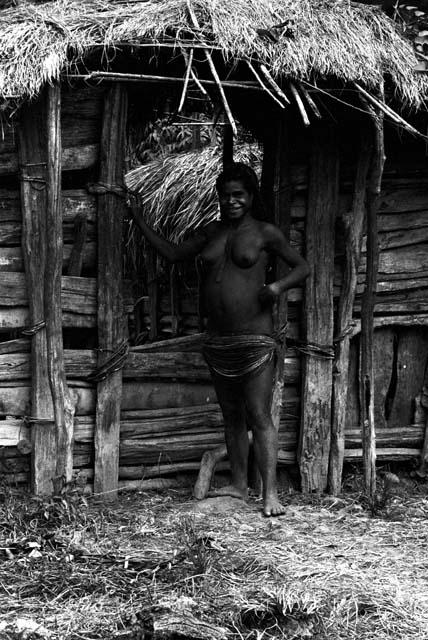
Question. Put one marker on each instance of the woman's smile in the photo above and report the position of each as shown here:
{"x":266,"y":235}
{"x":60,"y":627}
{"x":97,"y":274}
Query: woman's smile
{"x":235,"y":200}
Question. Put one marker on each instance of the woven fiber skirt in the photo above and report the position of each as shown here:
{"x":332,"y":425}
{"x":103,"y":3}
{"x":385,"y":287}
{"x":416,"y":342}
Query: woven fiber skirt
{"x":240,"y":356}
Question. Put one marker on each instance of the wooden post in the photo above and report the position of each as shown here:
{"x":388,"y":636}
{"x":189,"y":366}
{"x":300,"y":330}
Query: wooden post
{"x":76,"y":257}
{"x":63,"y":402}
{"x":353,"y":223}
{"x":153,"y":291}
{"x":111,"y":209}
{"x":174,"y":301}
{"x":32,"y":161}
{"x":314,"y":442}
{"x":227,"y":145}
{"x":367,"y":306}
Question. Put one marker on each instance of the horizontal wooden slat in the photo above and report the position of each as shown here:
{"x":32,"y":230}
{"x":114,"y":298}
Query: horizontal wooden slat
{"x":403,"y":221}
{"x":413,"y":259}
{"x":74,"y":202}
{"x":78,"y":294}
{"x":414,"y":198}
{"x":73,"y":158}
{"x":13,"y":431}
{"x":11,"y":230}
{"x":79,"y":299}
{"x":175,"y":365}
{"x":383,"y":453}
{"x":15,"y":398}
{"x":20,"y":345}
{"x":11,"y":257}
{"x":19,"y":317}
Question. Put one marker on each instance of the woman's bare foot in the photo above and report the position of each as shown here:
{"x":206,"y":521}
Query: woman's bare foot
{"x":229,"y":490}
{"x":272,"y":506}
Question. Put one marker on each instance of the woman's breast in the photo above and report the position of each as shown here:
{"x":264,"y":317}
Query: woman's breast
{"x":240,"y":252}
{"x":244,"y":256}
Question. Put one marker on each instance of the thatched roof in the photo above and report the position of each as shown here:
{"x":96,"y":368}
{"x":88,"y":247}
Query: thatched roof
{"x":303,"y":39}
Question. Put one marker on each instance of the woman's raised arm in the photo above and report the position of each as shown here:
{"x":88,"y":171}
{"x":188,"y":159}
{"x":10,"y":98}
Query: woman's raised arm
{"x":172,"y":252}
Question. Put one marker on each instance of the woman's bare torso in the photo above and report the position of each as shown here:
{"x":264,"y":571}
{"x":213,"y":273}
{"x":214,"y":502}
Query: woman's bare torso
{"x":234,"y":264}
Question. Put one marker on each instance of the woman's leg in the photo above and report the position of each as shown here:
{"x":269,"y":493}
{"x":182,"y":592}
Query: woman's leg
{"x":257,"y":397}
{"x":231,"y":401}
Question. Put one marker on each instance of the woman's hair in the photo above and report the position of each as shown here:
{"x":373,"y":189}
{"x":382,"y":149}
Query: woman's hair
{"x":242,"y":172}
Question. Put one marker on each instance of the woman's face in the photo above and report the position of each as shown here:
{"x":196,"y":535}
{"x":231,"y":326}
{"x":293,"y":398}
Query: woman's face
{"x":235,"y":200}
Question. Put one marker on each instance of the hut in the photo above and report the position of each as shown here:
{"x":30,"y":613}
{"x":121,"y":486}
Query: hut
{"x":326,"y":87}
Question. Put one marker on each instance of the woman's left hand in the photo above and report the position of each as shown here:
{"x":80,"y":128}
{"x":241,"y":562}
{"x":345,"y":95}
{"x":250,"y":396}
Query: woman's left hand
{"x":269,"y":293}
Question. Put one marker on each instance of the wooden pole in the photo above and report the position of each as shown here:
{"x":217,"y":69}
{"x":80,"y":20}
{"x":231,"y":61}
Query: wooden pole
{"x":353,"y":223}
{"x":111,"y":209}
{"x":227,"y":145}
{"x":153,"y":291}
{"x":367,"y":306}
{"x":314,"y":442}
{"x":63,"y":402}
{"x":32,"y":160}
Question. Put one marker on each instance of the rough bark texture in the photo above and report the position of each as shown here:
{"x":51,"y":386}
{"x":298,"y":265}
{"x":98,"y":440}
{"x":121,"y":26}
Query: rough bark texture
{"x":314,"y":446}
{"x":110,"y":305}
{"x":63,"y":401}
{"x":367,"y":309}
{"x":353,"y":223}
{"x":32,"y":160}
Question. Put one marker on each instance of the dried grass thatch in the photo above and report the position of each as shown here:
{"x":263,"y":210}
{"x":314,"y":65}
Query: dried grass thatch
{"x":321,"y":38}
{"x":177,"y":192}
{"x":160,"y":567}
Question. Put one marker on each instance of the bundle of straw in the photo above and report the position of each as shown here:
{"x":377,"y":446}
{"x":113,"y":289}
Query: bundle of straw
{"x":177,"y":192}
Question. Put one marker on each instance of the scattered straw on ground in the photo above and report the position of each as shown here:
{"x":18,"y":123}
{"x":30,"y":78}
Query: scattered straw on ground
{"x":327,"y":569}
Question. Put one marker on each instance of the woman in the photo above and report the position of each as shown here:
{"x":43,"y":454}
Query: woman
{"x":234,"y":254}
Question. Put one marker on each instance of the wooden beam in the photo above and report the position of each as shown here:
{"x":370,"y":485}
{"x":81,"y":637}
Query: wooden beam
{"x":111,"y":209}
{"x":63,"y":401}
{"x":368,"y":305}
{"x":353,"y":223}
{"x":314,"y":444}
{"x":32,"y":160}
{"x":111,"y":76}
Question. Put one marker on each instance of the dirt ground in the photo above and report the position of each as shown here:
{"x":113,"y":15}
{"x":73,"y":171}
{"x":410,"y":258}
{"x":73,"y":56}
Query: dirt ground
{"x":164,"y":566}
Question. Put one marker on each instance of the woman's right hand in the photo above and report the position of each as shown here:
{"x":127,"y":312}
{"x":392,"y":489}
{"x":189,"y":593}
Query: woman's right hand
{"x":132,"y":200}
